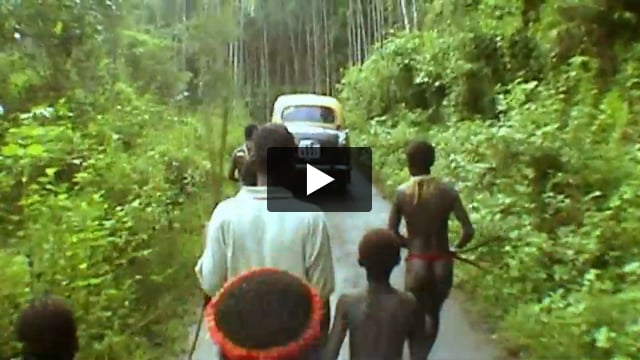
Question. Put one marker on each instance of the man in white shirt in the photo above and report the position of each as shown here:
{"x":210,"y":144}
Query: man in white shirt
{"x":242,"y":234}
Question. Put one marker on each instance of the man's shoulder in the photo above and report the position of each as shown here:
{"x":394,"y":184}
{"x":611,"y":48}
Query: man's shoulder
{"x":225,"y":208}
{"x":407,"y":298}
{"x":403,"y":186}
{"x":353,"y":296}
{"x":440,"y":183}
{"x":448,"y":185}
{"x":403,"y":189}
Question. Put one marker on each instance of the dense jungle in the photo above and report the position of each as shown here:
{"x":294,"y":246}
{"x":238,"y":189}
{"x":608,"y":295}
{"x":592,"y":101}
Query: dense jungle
{"x":117,"y":119}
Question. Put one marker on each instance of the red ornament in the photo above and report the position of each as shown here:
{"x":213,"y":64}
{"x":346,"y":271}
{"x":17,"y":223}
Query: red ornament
{"x":292,"y":351}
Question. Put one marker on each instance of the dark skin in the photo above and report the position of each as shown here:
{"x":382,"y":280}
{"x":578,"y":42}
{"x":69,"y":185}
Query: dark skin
{"x":237,"y":163}
{"x":248,"y":175}
{"x":430,"y":235}
{"x":379,"y":320}
{"x":429,"y":282}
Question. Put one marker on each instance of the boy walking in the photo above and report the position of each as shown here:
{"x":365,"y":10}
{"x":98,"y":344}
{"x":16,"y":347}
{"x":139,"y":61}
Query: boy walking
{"x":380,"y":318}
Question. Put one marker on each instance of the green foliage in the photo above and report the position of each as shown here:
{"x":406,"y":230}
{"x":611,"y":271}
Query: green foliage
{"x":552,"y":183}
{"x":105,"y":178}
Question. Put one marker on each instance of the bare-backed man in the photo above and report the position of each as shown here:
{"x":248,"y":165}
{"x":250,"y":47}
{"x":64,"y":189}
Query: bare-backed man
{"x":241,"y":168}
{"x":426,"y":203}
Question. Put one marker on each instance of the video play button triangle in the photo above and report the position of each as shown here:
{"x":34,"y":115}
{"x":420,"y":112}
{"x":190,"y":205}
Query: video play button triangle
{"x":316,"y":179}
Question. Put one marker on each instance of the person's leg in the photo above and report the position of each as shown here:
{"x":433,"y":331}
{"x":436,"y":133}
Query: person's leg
{"x":429,"y":302}
{"x":419,"y":281}
{"x":442,"y":282}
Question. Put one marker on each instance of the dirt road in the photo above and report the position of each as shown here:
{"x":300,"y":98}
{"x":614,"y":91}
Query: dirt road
{"x":458,"y":340}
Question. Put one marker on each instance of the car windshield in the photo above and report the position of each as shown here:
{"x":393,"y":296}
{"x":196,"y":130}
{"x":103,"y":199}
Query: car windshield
{"x":306,"y":113}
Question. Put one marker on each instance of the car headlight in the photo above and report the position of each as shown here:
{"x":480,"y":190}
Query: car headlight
{"x":343,"y":138}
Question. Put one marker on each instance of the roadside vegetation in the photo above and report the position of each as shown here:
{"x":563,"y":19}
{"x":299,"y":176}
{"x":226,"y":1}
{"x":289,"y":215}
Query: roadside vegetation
{"x":534,"y":107}
{"x":113,"y":134}
{"x":106,"y":173}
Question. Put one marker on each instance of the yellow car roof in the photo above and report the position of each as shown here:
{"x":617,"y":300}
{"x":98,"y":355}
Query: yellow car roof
{"x":307,"y":99}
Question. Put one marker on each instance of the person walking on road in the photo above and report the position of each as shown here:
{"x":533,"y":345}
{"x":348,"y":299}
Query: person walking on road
{"x":243,"y":234}
{"x":426,"y":202}
{"x":378,"y":319}
{"x":241,"y":156}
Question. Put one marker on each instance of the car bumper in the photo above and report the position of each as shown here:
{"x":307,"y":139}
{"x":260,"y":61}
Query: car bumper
{"x":324,"y":167}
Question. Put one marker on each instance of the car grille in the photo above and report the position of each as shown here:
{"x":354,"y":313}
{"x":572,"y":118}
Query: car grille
{"x":327,"y":155}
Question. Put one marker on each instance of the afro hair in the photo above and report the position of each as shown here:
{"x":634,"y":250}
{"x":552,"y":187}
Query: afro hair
{"x":265,"y":310}
{"x":47,"y":326}
{"x":274,"y":136}
{"x":421,"y":155}
{"x":250,"y":131}
{"x":379,"y":251}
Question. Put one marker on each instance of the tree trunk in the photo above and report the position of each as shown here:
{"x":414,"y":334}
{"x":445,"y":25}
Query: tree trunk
{"x":326,"y":53}
{"x":403,"y":11}
{"x":414,"y":14}
{"x":315,"y":62}
{"x":266,"y":84}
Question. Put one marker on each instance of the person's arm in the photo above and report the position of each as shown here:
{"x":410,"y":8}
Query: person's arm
{"x":231,"y":175}
{"x":338,"y":330}
{"x":207,"y":297}
{"x":211,"y":269}
{"x":462,"y":216}
{"x":395,"y":217}
{"x":418,"y":338}
{"x":320,"y":271}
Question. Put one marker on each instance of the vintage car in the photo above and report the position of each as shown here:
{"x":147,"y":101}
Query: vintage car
{"x":317,"y":123}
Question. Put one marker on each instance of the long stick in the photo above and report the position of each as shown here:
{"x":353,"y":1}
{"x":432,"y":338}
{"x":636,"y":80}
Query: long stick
{"x":468,"y":261}
{"x":479,"y":245}
{"x":218,"y":196}
{"x":195,"y":338}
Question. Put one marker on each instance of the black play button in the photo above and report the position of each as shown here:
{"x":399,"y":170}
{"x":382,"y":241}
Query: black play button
{"x":335,"y":179}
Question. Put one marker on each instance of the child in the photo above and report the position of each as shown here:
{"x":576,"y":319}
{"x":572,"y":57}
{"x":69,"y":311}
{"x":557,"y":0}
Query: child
{"x":380,"y":318}
{"x":47,"y":331}
{"x":266,"y":314}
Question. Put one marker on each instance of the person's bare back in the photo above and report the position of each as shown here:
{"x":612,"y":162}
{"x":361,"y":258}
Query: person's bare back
{"x":426,"y":204}
{"x":379,"y":319}
{"x":427,"y":197}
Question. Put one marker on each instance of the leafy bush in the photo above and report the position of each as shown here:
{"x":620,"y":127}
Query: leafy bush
{"x":105,"y":184}
{"x":108,"y":219}
{"x":551,"y":178}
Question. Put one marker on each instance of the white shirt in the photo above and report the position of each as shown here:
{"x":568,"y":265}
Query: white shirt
{"x":242,"y":234}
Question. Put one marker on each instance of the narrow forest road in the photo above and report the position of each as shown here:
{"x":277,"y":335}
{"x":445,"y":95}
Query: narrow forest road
{"x":458,"y":340}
